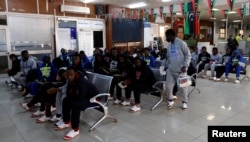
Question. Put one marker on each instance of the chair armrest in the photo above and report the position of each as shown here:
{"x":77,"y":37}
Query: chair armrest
{"x":155,"y":86}
{"x":94,"y":99}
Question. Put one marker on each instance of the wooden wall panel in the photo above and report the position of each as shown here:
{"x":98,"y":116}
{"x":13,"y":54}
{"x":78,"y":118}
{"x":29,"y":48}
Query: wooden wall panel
{"x":2,"y":5}
{"x":43,"y":7}
{"x":22,"y":6}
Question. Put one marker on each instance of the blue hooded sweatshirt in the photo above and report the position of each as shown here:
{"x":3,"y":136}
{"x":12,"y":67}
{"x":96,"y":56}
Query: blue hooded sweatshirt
{"x":234,"y":60}
{"x":47,"y":71}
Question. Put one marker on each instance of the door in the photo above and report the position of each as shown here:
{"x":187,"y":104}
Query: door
{"x":4,"y":48}
{"x":203,"y":35}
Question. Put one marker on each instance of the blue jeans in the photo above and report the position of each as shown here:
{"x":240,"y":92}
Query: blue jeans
{"x":229,"y":68}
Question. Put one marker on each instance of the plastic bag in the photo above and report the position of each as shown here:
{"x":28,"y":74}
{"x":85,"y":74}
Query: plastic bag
{"x":184,"y":80}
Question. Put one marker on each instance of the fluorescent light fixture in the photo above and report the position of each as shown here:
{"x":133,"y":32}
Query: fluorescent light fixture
{"x":236,"y":21}
{"x":137,"y":5}
{"x":87,"y":1}
{"x":223,"y":19}
{"x":166,"y":0}
{"x":213,"y":18}
{"x":215,"y":9}
{"x":178,"y":13}
{"x":231,"y":12}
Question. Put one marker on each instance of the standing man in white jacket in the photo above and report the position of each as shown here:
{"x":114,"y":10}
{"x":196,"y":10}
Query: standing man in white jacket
{"x":178,"y":60}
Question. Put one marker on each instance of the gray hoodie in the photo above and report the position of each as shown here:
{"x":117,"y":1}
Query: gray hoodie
{"x":27,"y":65}
{"x":178,"y":55}
{"x":217,"y":58}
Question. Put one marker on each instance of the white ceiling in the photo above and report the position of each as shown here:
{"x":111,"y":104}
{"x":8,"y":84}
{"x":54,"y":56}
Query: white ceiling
{"x":220,"y":4}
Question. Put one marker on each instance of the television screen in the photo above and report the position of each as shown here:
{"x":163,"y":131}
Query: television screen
{"x":98,"y":39}
{"x":126,"y":30}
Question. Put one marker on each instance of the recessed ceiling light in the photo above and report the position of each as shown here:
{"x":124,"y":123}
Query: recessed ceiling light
{"x":137,"y":5}
{"x":231,"y":12}
{"x":166,"y":0}
{"x":87,"y":1}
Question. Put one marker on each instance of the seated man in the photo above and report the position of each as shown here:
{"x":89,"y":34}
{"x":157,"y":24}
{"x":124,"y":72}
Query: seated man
{"x":77,"y":99}
{"x":220,"y":70}
{"x":65,"y":57}
{"x":149,"y":59}
{"x":15,"y":68}
{"x":234,"y":63}
{"x":203,"y":58}
{"x":26,"y":65}
{"x":126,"y":71}
{"x":216,"y":59}
{"x":143,"y":81}
{"x":85,"y":61}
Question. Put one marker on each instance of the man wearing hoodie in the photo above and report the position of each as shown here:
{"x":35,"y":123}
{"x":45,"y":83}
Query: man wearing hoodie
{"x":26,"y":65}
{"x":234,"y":62}
{"x":203,"y":58}
{"x":178,"y":60}
{"x":220,"y":69}
{"x":79,"y":92}
{"x":149,"y":59}
{"x":65,"y":57}
{"x":216,"y":59}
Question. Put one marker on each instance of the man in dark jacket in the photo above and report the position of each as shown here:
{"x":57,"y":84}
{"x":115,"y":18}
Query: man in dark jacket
{"x":143,"y":81}
{"x":203,"y":58}
{"x":79,"y":92}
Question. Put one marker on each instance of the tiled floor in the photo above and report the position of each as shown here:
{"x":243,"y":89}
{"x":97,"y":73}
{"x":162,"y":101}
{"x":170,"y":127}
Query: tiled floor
{"x":218,"y":104}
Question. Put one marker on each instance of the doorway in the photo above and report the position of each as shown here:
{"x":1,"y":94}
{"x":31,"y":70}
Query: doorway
{"x":4,"y":48}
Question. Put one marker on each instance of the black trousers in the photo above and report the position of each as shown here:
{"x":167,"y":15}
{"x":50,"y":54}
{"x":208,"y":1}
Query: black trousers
{"x":128,"y":91}
{"x":71,"y":110}
{"x":138,"y":89}
{"x":201,"y":67}
{"x":114,"y":82}
{"x":220,"y":70}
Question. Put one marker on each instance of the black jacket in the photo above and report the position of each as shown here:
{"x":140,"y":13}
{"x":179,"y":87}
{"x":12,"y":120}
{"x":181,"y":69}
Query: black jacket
{"x":15,"y":68}
{"x":126,"y":69}
{"x":81,"y":90}
{"x":204,"y":57}
{"x":144,"y":77}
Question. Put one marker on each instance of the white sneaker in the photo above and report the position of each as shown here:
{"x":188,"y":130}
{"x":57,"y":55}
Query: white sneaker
{"x":175,"y":97}
{"x":54,"y":118}
{"x":43,"y":119}
{"x":117,"y":102}
{"x":170,"y":104}
{"x":71,"y":134}
{"x":25,"y":106}
{"x":204,"y":76}
{"x":28,"y":96}
{"x":110,"y":98}
{"x":226,"y":80}
{"x":62,"y":126}
{"x":59,"y":122}
{"x":126,"y":103}
{"x":37,"y":105}
{"x":135,"y":108}
{"x":38,"y":113}
{"x":20,"y":87}
{"x":184,"y":106}
{"x":52,"y":109}
{"x":237,"y":81}
{"x":217,"y":79}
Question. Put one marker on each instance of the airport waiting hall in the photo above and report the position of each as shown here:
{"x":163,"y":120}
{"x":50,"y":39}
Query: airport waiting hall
{"x":124,"y":70}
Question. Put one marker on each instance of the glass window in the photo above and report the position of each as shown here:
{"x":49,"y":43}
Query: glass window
{"x":222,"y":33}
{"x":30,"y":33}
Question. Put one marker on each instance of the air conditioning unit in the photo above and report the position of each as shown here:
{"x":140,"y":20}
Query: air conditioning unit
{"x":75,"y":9}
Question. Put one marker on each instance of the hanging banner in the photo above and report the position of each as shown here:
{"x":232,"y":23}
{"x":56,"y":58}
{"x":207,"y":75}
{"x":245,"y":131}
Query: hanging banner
{"x":161,"y":11}
{"x":186,"y":25}
{"x":211,"y":4}
{"x":225,"y":13}
{"x":240,"y":11}
{"x":231,"y":4}
{"x":190,"y":7}
{"x":171,"y":9}
{"x":182,"y":8}
{"x":196,"y":4}
{"x":197,"y":23}
{"x":213,"y":13}
{"x":165,"y":16}
{"x":199,"y":14}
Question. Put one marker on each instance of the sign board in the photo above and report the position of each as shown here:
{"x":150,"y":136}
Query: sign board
{"x":89,"y":24}
{"x":63,"y":39}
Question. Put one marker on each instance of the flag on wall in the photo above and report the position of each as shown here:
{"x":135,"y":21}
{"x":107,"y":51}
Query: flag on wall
{"x":211,"y":3}
{"x":161,"y":11}
{"x":241,"y":12}
{"x":182,"y":8}
{"x":231,"y":4}
{"x":196,"y":4}
{"x":213,"y":13}
{"x":199,"y":15}
{"x":171,"y":9}
{"x":225,"y":13}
